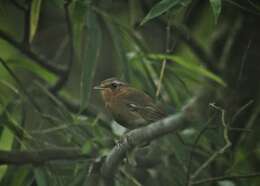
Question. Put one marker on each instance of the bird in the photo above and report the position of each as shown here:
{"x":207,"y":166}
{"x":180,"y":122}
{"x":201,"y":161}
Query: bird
{"x":130,"y":107}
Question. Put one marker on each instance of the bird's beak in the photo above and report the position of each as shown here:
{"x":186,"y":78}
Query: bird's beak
{"x":98,"y":88}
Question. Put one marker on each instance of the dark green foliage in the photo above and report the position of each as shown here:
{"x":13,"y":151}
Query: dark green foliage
{"x":53,"y":52}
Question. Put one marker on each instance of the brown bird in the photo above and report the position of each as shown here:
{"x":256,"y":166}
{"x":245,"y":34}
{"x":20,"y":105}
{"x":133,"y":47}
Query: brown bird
{"x":130,"y":107}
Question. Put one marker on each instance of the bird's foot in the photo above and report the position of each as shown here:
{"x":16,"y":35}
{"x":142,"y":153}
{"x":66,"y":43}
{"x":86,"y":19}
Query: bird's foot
{"x":122,"y":140}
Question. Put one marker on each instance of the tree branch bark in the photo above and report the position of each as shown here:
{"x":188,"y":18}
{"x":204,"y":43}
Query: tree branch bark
{"x":137,"y":137}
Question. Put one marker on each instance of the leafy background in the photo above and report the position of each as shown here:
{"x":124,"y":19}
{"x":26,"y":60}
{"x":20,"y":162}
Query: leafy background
{"x":53,"y":52}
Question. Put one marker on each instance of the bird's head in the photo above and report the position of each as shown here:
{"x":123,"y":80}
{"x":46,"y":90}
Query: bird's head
{"x":111,"y":87}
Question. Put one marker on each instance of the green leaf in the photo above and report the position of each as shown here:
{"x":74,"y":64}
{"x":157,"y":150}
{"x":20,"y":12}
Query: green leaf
{"x":93,"y":45}
{"x":6,"y":141}
{"x":21,"y":63}
{"x":160,"y":8}
{"x":87,"y":147}
{"x":216,"y":7}
{"x":10,"y":86}
{"x":18,"y":176}
{"x":189,"y":66}
{"x":34,"y":17}
{"x":41,"y":177}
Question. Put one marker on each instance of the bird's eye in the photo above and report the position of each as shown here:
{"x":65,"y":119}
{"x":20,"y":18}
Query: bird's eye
{"x":114,"y":85}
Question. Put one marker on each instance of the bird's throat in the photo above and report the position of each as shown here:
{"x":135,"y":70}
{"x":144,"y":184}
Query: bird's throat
{"x":110,"y":96}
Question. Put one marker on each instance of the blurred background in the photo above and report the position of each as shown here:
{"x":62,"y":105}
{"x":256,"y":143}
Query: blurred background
{"x":52,"y":53}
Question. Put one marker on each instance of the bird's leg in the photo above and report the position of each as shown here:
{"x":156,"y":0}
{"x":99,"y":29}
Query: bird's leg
{"x":130,"y":158}
{"x":122,"y":139}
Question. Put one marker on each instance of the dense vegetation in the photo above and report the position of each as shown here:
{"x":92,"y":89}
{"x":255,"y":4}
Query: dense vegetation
{"x":200,"y":58}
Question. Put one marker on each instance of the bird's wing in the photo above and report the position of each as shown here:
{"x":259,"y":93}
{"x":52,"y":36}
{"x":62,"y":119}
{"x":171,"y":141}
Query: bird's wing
{"x":144,"y":105}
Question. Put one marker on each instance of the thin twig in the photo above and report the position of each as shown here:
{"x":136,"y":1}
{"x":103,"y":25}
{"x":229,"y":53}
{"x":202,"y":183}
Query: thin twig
{"x":243,"y":60}
{"x":65,"y":76}
{"x":244,"y":107}
{"x":220,"y":151}
{"x":130,"y":177}
{"x":249,"y":125}
{"x":203,"y":130}
{"x":167,"y":48}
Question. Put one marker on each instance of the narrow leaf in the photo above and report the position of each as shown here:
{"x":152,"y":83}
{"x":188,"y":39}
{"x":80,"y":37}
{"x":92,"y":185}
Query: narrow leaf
{"x":40,"y":177}
{"x":24,"y":64}
{"x":189,"y":66}
{"x":216,"y":7}
{"x":34,"y":17}
{"x":160,"y":8}
{"x":6,"y":140}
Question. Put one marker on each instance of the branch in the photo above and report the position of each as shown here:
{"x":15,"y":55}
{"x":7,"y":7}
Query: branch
{"x":35,"y":57}
{"x":40,"y":156}
{"x":214,"y":179}
{"x":139,"y":136}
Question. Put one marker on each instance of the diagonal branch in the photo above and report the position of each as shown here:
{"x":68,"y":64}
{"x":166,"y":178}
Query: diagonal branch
{"x":139,"y":136}
{"x":27,"y":52}
{"x":64,"y":77}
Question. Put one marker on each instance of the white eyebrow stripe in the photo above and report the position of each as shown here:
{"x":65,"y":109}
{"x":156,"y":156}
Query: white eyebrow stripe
{"x":117,"y":82}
